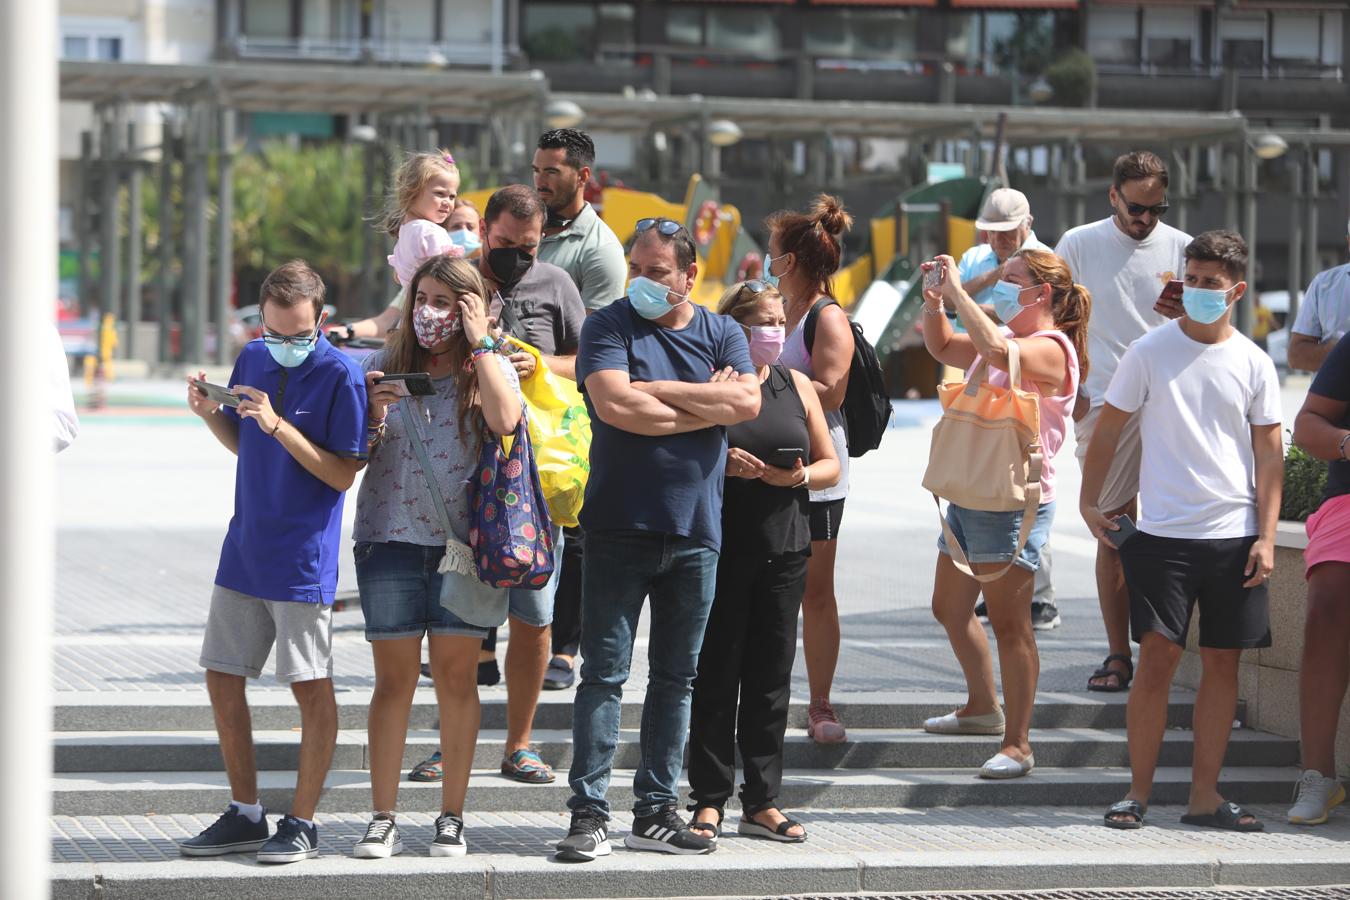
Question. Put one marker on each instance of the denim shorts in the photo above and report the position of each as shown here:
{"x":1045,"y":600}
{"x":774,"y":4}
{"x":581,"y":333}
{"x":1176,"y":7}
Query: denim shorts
{"x":989,"y":537}
{"x":401,"y":592}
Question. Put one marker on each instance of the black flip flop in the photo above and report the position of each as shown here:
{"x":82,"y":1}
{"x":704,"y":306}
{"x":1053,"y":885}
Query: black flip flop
{"x":750,"y":828}
{"x":1123,"y":679}
{"x":1227,"y":817}
{"x":1125,"y":808}
{"x":713,"y":830}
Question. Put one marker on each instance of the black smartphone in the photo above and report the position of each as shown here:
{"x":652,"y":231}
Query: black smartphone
{"x":418,"y":384}
{"x":1127,"y":531}
{"x":786,"y":457}
{"x":217,"y":393}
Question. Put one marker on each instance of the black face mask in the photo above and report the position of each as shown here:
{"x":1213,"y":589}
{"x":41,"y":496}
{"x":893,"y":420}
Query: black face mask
{"x":509,"y":264}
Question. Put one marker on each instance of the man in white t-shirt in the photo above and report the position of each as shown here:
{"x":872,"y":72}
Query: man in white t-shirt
{"x":1323,"y":317}
{"x":1124,"y":261}
{"x":1208,"y":405}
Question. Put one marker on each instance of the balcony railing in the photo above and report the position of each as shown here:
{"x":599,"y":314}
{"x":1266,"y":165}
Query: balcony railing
{"x":1270,"y":71}
{"x":379,"y":51}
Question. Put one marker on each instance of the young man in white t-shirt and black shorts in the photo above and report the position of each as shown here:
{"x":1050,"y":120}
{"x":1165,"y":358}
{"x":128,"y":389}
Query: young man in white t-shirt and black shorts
{"x":1208,"y":401}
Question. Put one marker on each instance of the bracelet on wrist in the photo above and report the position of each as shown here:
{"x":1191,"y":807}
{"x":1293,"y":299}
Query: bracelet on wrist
{"x":273,"y":432}
{"x":932,"y":310}
{"x":1341,"y":449}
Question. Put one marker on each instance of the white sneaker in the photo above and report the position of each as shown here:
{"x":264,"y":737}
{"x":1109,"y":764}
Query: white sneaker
{"x":951,"y":723}
{"x":1315,"y":796}
{"x":1001,"y":766}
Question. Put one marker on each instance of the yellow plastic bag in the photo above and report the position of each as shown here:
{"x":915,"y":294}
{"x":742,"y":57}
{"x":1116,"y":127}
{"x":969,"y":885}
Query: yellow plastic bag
{"x":560,"y":430}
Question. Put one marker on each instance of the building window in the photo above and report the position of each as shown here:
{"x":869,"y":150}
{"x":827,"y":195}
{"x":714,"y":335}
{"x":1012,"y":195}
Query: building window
{"x":267,"y":19}
{"x":109,"y":49}
{"x":861,"y":34}
{"x":86,"y":43}
{"x":330,"y":20}
{"x":1016,"y":42}
{"x":576,"y":31}
{"x":1243,"y":42}
{"x":75,"y":47}
{"x":747,"y":30}
{"x":1171,"y":37}
{"x":1113,"y":36}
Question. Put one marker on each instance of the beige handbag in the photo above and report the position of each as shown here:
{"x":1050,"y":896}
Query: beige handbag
{"x":986,"y":453}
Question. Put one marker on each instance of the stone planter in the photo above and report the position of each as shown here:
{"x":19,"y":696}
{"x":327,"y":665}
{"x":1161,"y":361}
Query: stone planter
{"x":1268,"y":679}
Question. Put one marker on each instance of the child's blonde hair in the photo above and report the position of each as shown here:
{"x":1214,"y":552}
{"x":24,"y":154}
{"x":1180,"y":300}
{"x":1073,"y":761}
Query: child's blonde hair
{"x":410,"y":178}
{"x":739,"y":302}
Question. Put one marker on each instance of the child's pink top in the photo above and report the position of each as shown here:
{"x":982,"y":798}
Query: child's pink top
{"x":418,"y":241}
{"x":1056,"y":409}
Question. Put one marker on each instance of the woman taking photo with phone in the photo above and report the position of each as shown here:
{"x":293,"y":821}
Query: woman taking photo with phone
{"x":1046,"y":315}
{"x":750,"y":640}
{"x":400,"y":539}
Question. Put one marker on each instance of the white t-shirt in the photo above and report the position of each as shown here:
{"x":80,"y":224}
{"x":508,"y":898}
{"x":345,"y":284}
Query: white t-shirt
{"x":1125,"y":277}
{"x":1197,"y":478}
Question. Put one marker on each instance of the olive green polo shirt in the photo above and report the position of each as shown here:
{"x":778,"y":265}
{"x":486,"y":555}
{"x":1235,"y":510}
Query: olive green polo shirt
{"x":588,"y":250}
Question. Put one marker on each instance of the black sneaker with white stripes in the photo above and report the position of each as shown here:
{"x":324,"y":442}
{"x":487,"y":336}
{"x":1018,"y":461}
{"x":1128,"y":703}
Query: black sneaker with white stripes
{"x":381,"y":841}
{"x":293,"y":842}
{"x":587,"y":838}
{"x":665,"y":832}
{"x":449,"y":836}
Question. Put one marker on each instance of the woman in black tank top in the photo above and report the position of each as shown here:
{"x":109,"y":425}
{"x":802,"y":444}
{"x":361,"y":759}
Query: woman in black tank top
{"x":751,"y":636}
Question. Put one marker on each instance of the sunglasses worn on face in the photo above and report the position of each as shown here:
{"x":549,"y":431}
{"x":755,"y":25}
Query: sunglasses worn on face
{"x":1138,"y":209}
{"x":668,"y":227}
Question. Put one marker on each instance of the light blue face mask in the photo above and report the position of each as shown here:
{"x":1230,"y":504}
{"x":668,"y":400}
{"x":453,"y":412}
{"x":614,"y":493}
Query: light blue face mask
{"x":466,"y":240}
{"x":1007,"y":300}
{"x":768,"y":277}
{"x":1204,"y":305}
{"x":649,"y":297}
{"x":291,"y":355}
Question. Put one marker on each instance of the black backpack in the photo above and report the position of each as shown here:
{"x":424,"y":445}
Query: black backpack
{"x":867,"y":407}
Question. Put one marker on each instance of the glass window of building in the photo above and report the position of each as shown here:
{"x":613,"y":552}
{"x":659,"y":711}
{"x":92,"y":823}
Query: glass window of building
{"x":866,"y":34}
{"x":684,"y":26}
{"x":330,"y":20}
{"x":109,"y":49}
{"x":1243,"y":41}
{"x":1171,"y":37}
{"x":748,"y":30}
{"x":574,"y":31}
{"x":1020,"y":41}
{"x":1331,"y":38}
{"x":267,"y":19}
{"x":1113,"y":36}
{"x":1296,"y":38}
{"x":75,"y":46}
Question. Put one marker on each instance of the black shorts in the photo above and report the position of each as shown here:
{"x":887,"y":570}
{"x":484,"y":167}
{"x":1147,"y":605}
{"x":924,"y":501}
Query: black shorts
{"x":825,"y":518}
{"x":1166,"y":576}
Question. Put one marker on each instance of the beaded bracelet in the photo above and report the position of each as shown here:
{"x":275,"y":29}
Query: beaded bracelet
{"x":475,"y":355}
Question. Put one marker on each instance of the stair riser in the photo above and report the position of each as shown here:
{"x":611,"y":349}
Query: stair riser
{"x":797,"y":795}
{"x":798,"y":754}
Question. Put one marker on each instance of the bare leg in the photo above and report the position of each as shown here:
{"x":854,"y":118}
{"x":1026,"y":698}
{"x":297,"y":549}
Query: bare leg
{"x":1008,"y":601}
{"x":234,"y":728}
{"x":954,"y":595}
{"x":397,"y":667}
{"x":1215,"y":704}
{"x":526,"y":661}
{"x":1146,"y":714}
{"x":1114,"y":598}
{"x":454,"y":664}
{"x":820,"y":620}
{"x":1326,"y":665}
{"x":318,"y":738}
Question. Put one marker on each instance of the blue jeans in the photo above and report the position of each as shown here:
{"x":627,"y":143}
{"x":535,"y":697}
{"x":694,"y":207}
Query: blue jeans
{"x":621,"y":569}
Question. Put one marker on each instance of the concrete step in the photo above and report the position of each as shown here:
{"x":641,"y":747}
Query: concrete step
{"x":141,"y":793}
{"x":274,"y":710}
{"x":188,"y":751}
{"x":849,"y":851}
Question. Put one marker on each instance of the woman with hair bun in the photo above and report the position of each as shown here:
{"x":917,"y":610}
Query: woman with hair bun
{"x":803,"y":255}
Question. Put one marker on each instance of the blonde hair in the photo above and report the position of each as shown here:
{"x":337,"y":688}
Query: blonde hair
{"x":410,"y":179}
{"x":1070,"y":302}
{"x":738,"y":302}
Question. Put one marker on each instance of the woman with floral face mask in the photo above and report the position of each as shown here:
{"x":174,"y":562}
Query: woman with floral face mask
{"x":750,"y":641}
{"x":400,"y":540}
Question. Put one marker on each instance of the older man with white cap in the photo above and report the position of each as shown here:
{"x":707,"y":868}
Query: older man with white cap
{"x":1006,"y":220}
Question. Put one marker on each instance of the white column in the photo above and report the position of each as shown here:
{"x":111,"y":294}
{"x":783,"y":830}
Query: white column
{"x":28,"y":237}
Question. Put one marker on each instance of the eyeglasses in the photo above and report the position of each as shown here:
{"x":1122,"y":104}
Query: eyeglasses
{"x":1138,"y":209}
{"x":756,"y":286}
{"x":668,"y":227}
{"x":275,"y":339}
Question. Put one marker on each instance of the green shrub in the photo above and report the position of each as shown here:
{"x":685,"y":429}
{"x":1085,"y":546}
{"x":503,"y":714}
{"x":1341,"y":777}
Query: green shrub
{"x":1074,"y":77}
{"x":1305,"y":480}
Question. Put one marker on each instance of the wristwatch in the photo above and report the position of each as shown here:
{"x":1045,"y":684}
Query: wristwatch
{"x":486,"y":343}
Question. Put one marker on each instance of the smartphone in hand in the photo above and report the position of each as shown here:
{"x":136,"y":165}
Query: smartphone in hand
{"x":417,"y":384}
{"x":1127,"y":531}
{"x":934,"y":276}
{"x":786,"y":457}
{"x":221,"y":395}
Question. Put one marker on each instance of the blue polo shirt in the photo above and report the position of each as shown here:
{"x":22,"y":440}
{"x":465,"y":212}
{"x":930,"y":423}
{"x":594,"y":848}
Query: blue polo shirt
{"x":669,"y":484}
{"x":285,"y":536}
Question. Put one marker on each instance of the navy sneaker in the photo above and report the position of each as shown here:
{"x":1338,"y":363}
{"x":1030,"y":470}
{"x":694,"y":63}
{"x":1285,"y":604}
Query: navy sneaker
{"x":231,"y":833}
{"x":293,"y":842}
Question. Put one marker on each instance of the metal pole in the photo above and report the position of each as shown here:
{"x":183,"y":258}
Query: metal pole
{"x":28,"y":229}
{"x":497,"y":37}
{"x":196,"y":275}
{"x":1079,"y":186}
{"x":110,"y":249}
{"x":1245,"y":310}
{"x":1294,"y":277}
{"x":224,"y":233}
{"x":82,"y":235}
{"x":169,"y":148}
{"x":1232,"y":187}
{"x":134,"y":214}
{"x":1311,"y":261}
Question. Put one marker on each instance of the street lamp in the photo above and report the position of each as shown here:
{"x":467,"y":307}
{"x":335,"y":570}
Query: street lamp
{"x":1269,"y":145}
{"x":563,"y":114}
{"x":1040,"y":90}
{"x":724,"y":133}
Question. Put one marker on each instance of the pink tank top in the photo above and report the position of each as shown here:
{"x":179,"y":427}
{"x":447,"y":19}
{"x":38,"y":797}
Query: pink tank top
{"x":1056,"y":409}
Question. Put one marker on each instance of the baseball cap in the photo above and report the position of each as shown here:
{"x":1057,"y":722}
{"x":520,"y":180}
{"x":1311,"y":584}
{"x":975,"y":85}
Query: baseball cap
{"x":1004,"y":210}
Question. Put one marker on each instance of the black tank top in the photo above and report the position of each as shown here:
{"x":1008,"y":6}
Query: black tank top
{"x":756,"y":516}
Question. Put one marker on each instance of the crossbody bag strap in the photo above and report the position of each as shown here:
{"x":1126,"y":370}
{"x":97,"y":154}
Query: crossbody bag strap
{"x":1035,"y":463}
{"x":419,"y":447}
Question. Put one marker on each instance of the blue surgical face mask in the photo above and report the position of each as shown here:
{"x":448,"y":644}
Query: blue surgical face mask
{"x":649,"y":297}
{"x":770,"y":278}
{"x":292,"y":355}
{"x":1007,"y":300}
{"x":1204,"y":305}
{"x":466,"y":240}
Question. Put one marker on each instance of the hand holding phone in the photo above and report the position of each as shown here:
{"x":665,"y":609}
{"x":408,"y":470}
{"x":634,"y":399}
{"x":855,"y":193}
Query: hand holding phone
{"x":1125,"y":531}
{"x":1169,"y":300}
{"x":934,"y":275}
{"x":786,"y":457}
{"x":414,"y":384}
{"x":221,"y":395}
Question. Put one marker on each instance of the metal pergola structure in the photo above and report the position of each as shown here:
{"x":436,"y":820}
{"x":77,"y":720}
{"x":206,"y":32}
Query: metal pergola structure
{"x":399,"y":107}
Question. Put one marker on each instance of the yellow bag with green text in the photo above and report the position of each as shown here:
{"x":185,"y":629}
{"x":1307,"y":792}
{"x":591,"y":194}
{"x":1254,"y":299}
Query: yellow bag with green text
{"x":560,"y":432}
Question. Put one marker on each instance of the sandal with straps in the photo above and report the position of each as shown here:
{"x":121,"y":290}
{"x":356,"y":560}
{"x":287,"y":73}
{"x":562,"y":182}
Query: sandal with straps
{"x":711,"y":830}
{"x":1123,"y":679}
{"x":429,"y":769}
{"x":1132,"y":808}
{"x":750,"y":828}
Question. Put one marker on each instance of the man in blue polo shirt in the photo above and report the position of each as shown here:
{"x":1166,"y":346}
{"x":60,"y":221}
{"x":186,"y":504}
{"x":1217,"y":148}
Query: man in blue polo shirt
{"x":299,"y":432}
{"x":662,"y":378}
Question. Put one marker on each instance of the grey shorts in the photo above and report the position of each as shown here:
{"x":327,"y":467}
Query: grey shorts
{"x":241,"y":631}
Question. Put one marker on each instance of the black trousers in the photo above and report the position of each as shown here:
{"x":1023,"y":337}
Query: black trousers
{"x":566,"y":633}
{"x":748,"y":649}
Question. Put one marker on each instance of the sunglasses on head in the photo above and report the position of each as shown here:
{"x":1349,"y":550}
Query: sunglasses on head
{"x":755,"y":286}
{"x":668,"y":227}
{"x":1138,"y":209}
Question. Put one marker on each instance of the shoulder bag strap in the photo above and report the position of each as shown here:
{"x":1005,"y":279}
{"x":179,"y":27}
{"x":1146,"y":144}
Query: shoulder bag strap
{"x":419,"y":447}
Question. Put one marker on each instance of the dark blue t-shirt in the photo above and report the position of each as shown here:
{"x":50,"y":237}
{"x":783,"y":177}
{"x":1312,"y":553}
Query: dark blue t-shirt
{"x":1333,"y":382}
{"x":286,"y":533}
{"x":668,"y":484}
